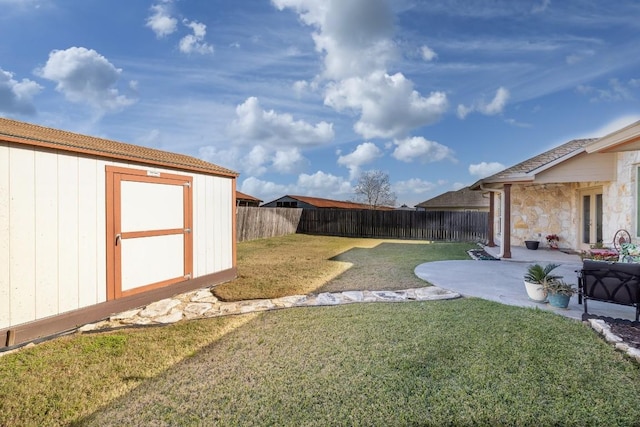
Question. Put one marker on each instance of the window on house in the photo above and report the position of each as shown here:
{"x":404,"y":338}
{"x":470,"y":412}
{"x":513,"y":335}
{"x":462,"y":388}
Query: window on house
{"x":287,"y":204}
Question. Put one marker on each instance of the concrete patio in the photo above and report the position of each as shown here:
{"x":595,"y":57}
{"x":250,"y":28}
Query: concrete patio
{"x":502,"y":281}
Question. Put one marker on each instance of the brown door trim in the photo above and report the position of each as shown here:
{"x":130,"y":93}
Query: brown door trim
{"x":114,"y":177}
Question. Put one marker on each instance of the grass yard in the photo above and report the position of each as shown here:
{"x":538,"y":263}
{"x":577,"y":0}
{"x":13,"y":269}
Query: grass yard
{"x":458,"y":362}
{"x":302,"y":264}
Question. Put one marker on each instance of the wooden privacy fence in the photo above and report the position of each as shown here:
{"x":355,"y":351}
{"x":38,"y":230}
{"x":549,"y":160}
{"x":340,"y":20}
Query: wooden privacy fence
{"x":256,"y":223}
{"x":422,"y":225}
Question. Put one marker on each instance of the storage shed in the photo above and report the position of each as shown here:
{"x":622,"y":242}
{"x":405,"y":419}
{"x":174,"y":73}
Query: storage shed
{"x":91,"y":227}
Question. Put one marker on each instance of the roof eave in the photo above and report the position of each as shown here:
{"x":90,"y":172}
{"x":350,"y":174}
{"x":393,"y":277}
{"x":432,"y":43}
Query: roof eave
{"x":630,"y":133}
{"x":119,"y":156}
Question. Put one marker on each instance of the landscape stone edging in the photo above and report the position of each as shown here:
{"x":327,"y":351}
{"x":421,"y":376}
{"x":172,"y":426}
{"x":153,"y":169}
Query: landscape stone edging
{"x":601,"y":327}
{"x":202,"y":304}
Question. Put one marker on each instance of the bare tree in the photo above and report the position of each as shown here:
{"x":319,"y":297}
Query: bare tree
{"x":374,"y":189}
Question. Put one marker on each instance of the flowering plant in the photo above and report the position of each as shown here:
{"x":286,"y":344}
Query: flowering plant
{"x":552,"y":237}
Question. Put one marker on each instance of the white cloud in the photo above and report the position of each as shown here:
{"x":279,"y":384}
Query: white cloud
{"x":539,"y":8}
{"x":255,"y":125}
{"x":319,"y":184}
{"x":612,"y":126}
{"x":484,"y":169}
{"x":616,"y":91}
{"x":427,"y":53}
{"x":17,"y":96}
{"x":355,"y":36}
{"x":264,"y":190}
{"x":388,"y":104}
{"x":254,"y":162}
{"x":229,"y":158}
{"x":495,"y":106}
{"x":421,"y":149}
{"x":413,"y":186}
{"x":194,"y":43}
{"x":364,"y":153}
{"x":289,"y":161}
{"x":161,"y":22}
{"x":322,"y":184}
{"x":85,"y":76}
{"x":257,"y":161}
{"x":300,"y":87}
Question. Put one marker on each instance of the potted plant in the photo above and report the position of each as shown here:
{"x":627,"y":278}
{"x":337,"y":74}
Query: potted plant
{"x":531,"y":244}
{"x":534,"y":279}
{"x":558,"y":292}
{"x":552,"y":240}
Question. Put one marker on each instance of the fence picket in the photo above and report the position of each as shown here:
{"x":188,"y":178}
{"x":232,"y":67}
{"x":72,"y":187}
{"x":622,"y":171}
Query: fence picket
{"x":255,"y":223}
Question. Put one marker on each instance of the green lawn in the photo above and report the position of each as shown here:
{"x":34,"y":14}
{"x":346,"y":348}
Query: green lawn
{"x":456,"y":362}
{"x":423,"y":363}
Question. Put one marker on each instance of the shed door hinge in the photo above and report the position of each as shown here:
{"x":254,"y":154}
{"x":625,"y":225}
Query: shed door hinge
{"x":188,"y":276}
{"x":187,"y":230}
{"x":187,"y":184}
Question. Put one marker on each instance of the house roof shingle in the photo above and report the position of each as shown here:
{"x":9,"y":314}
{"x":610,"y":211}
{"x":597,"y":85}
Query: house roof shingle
{"x":29,"y":134}
{"x":463,"y":198}
{"x":525,"y":170}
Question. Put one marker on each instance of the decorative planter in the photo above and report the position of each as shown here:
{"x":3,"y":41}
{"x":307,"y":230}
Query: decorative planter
{"x":532,"y":244}
{"x":535,"y":292}
{"x":559,"y":300}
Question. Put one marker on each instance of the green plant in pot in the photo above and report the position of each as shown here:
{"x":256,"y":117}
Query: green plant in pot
{"x":534,"y":279}
{"x":558,"y":292}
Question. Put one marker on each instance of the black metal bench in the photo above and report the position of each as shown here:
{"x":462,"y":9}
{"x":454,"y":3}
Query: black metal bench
{"x":614,"y":282}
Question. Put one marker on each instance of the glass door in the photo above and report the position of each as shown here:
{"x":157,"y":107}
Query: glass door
{"x":591,"y":218}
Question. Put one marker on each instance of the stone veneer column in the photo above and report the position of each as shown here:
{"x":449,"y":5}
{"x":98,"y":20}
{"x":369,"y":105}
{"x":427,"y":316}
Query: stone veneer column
{"x":506,"y":217}
{"x":492,"y":212}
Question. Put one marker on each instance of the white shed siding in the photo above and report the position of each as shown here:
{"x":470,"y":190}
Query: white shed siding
{"x":52,"y":230}
{"x":212,"y":224}
{"x":46,"y":223}
{"x":5,"y":294}
{"x":91,"y":231}
{"x":68,"y":253}
{"x":22,"y":236}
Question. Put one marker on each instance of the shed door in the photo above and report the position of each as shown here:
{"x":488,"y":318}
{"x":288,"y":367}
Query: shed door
{"x":149,"y":239}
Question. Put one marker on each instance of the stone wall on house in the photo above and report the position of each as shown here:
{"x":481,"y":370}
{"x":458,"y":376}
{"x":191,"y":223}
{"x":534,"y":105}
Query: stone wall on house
{"x":541,"y":209}
{"x":620,"y":196}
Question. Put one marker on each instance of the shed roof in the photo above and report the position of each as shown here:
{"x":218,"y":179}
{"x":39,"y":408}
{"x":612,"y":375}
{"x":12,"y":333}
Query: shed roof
{"x":29,"y":134}
{"x":463,"y":198}
{"x":526,"y":170}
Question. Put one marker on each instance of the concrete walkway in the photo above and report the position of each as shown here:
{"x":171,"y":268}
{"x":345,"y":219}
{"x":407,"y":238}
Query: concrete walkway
{"x":502,"y":281}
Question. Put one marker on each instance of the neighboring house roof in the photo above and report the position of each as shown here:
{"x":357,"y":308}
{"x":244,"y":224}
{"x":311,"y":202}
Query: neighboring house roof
{"x":463,"y":198}
{"x":336,"y":204}
{"x":526,"y":170}
{"x":29,"y":134}
{"x":244,"y":196}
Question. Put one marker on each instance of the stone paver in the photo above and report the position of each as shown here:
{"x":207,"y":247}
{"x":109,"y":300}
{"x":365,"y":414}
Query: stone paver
{"x":203,"y":304}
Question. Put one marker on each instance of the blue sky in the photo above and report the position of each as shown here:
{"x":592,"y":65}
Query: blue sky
{"x":301,"y":96}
